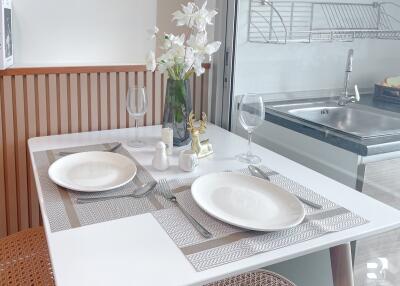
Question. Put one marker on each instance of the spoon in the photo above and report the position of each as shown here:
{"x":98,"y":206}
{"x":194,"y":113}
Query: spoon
{"x":140,"y":192}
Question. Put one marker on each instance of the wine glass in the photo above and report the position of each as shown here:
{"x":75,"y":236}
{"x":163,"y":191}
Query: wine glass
{"x":251,"y":115}
{"x":136,"y":105}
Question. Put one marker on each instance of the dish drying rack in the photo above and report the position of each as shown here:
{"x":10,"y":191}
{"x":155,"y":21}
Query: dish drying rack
{"x":282,"y":22}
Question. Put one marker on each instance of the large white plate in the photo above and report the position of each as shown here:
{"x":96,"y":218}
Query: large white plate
{"x":247,"y":202}
{"x":92,"y":171}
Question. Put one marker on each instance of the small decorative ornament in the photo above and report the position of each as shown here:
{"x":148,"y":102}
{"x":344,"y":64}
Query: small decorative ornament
{"x":201,"y":148}
{"x":160,"y":160}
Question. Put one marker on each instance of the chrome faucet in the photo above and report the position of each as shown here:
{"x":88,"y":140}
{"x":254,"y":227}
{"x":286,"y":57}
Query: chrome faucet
{"x":345,"y":98}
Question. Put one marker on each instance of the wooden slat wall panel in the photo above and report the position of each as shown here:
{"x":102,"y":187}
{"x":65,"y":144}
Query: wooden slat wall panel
{"x":47,"y":101}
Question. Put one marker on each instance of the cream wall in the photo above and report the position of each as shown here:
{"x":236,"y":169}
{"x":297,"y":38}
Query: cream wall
{"x":76,"y":32}
{"x":89,"y":32}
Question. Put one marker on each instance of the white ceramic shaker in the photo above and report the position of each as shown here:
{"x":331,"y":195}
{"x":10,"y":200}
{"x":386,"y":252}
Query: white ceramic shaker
{"x":160,"y":160}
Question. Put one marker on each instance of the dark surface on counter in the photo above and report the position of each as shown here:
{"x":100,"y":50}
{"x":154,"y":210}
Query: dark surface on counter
{"x":363,"y":147}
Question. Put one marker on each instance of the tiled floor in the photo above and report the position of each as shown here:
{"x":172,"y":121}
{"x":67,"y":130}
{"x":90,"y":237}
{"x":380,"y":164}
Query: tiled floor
{"x":377,"y":261}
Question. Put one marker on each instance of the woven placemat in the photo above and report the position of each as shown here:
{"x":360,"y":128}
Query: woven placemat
{"x":60,"y":204}
{"x":230,"y":243}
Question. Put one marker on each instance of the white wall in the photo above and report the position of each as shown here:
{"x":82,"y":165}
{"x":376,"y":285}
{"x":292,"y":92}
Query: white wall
{"x":76,"y":32}
{"x":265,"y":68}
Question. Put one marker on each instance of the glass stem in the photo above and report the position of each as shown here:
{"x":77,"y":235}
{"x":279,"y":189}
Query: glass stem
{"x":136,"y":130}
{"x":249,"y":153}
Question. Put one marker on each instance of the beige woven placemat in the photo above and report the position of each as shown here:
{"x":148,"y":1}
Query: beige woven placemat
{"x":64,"y":213}
{"x":230,"y":243}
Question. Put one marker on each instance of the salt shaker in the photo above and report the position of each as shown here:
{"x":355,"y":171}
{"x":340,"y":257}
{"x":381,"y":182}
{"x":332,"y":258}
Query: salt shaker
{"x":167,"y":137}
{"x":160,"y":160}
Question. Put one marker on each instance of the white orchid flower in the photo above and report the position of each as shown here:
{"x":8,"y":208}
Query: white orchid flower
{"x":182,"y":57}
{"x":171,"y":40}
{"x":198,"y":64}
{"x":185,"y":17}
{"x":199,"y":43}
{"x":151,"y":64}
{"x":204,"y":17}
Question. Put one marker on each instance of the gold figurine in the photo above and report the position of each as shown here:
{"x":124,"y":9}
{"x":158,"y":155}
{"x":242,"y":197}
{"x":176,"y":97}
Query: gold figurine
{"x":201,"y":148}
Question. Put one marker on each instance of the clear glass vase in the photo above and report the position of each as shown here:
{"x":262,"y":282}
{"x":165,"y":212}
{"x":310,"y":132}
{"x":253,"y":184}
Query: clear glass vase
{"x":178,"y":105}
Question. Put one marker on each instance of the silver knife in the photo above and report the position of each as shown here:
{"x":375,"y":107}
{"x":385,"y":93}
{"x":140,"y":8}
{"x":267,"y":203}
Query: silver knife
{"x":255,"y":171}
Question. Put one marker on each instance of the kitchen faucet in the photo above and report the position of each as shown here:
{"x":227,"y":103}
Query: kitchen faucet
{"x":345,"y":98}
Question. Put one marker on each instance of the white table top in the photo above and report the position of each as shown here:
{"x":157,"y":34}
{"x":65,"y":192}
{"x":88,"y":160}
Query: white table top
{"x":137,"y":251}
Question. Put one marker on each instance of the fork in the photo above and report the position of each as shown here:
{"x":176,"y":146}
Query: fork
{"x":112,"y":149}
{"x":169,"y":196}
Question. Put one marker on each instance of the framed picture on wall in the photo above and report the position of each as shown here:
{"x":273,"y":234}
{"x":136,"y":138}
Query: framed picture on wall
{"x":6,"y":39}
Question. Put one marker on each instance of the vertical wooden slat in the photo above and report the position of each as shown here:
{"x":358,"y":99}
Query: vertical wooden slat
{"x":3,"y":202}
{"x":79,"y":100}
{"x":122,"y":99}
{"x":94,"y":102}
{"x":192,"y":91}
{"x":64,"y":103}
{"x":52,"y":104}
{"x":42,"y":97}
{"x":103,"y":101}
{"x":163,"y":92}
{"x":74,"y":104}
{"x":69,"y":105}
{"x":127,"y":83}
{"x":20,"y":155}
{"x":205,"y":94}
{"x":157,"y":98}
{"x":144,"y":84}
{"x":32,"y":131}
{"x":9,"y":158}
{"x":84,"y":102}
{"x":132,"y":81}
{"x":89,"y":95}
{"x":149,"y":91}
{"x":47,"y":91}
{"x":112,"y":86}
{"x":197,"y":96}
{"x":58,"y":96}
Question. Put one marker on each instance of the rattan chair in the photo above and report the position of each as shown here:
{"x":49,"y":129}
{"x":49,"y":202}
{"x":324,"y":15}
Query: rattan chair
{"x":24,"y":259}
{"x":254,"y":278}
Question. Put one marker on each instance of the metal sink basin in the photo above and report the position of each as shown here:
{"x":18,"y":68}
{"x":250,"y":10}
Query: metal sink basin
{"x":355,"y":119}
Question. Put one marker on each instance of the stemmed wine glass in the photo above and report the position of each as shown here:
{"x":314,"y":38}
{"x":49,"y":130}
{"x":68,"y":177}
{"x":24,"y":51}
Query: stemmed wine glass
{"x":136,"y":105}
{"x":251,"y":115}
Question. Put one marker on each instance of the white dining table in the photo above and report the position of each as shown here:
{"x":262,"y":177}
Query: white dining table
{"x":137,"y":251}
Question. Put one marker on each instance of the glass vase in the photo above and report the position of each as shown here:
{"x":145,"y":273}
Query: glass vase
{"x":178,"y":105}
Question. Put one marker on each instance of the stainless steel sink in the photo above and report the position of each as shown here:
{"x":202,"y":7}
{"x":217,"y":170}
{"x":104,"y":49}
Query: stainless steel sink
{"x":355,"y":119}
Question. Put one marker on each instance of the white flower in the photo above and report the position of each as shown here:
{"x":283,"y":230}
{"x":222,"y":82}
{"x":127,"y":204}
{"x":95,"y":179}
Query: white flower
{"x":185,"y":17}
{"x":151,"y":61}
{"x":199,"y":43}
{"x":203,"y":17}
{"x":198,"y":64}
{"x":171,"y":41}
{"x":153,"y":32}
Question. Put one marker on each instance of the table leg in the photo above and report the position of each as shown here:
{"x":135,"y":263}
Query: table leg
{"x":341,"y":264}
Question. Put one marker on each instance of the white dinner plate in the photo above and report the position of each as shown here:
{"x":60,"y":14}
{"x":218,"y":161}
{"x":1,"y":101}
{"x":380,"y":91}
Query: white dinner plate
{"x":247,"y":202}
{"x":93,"y":171}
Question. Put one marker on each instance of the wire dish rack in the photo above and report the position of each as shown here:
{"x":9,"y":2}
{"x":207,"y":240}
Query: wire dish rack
{"x":282,"y":22}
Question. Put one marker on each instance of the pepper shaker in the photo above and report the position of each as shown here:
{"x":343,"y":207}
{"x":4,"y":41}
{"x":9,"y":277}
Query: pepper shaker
{"x":160,"y":159}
